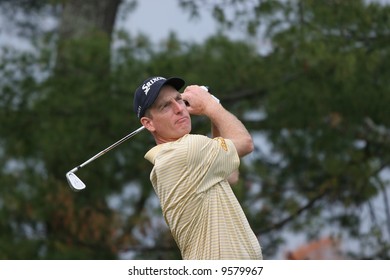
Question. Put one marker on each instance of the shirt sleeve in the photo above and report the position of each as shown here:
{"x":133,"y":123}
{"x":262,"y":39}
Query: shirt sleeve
{"x":211,"y":160}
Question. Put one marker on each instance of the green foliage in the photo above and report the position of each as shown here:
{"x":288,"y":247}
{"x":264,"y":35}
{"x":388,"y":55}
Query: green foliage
{"x":335,"y":63}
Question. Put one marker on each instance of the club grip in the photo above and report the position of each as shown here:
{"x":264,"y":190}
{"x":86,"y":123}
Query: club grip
{"x":206,"y":88}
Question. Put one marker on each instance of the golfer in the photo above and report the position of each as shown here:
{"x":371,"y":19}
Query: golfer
{"x":190,"y":173}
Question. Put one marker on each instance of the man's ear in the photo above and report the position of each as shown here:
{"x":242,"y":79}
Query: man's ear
{"x":148,"y":123}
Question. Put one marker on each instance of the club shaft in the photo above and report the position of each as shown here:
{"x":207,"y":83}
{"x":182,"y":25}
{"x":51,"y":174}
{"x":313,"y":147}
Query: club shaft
{"x":108,"y":149}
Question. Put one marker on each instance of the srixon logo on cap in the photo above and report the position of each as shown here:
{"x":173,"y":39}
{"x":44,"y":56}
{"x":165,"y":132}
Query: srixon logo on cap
{"x":146,"y":87}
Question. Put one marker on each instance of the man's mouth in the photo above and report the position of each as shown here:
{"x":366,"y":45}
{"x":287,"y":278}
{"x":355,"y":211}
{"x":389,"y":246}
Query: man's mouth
{"x":181,"y":120}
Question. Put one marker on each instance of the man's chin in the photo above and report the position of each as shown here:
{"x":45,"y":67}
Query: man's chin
{"x":183,"y":130}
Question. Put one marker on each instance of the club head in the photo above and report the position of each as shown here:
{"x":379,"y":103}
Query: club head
{"x":74,"y":182}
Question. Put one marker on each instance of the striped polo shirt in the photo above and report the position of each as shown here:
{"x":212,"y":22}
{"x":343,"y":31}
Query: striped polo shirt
{"x":206,"y":220}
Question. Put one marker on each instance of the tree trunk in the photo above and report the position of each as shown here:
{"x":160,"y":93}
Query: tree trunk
{"x":79,"y":18}
{"x":82,"y":21}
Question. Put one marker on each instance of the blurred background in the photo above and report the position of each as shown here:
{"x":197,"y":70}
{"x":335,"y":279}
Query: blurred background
{"x":309,"y":79}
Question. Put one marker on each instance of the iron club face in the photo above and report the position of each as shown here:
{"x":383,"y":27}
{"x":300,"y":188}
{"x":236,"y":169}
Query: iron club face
{"x":74,"y":182}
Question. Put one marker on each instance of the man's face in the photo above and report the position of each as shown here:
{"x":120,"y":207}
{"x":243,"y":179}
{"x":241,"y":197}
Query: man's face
{"x":168,"y":118}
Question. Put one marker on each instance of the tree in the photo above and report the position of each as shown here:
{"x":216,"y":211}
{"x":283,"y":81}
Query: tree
{"x":52,"y":115}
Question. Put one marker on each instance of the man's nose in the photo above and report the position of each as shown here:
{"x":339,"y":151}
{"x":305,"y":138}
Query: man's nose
{"x":177,"y":107}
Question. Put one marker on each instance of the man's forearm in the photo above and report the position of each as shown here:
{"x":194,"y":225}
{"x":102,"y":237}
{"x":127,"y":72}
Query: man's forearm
{"x":228,"y":126}
{"x":234,"y":177}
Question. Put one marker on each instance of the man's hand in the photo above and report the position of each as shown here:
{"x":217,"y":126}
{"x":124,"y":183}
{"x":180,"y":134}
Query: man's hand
{"x":201,"y":102}
{"x":198,"y":100}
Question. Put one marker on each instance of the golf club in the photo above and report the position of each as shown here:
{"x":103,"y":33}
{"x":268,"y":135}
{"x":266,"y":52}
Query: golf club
{"x":74,"y":182}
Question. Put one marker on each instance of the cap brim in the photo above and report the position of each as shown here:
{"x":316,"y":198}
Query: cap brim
{"x":177,"y":83}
